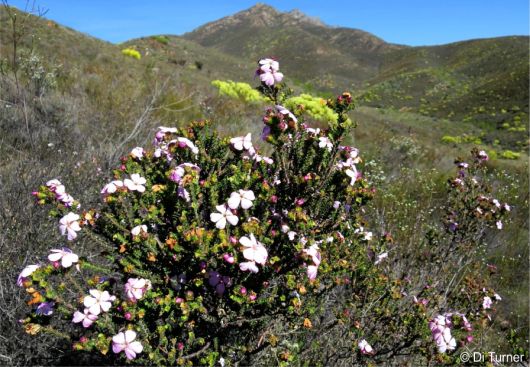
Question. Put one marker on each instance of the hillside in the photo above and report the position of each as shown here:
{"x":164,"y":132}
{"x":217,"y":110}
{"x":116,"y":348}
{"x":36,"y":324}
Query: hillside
{"x":482,"y":81}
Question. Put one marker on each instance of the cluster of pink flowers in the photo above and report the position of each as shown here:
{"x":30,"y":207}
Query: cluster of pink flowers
{"x":269,"y":71}
{"x":95,"y":303}
{"x":178,"y":173}
{"x":441,"y":331}
{"x":61,"y":195}
{"x":278,"y":119}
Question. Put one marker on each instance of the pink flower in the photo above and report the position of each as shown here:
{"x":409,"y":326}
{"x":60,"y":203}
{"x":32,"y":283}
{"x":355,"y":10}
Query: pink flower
{"x":179,"y":172}
{"x":69,"y":225}
{"x":249,"y":266}
{"x":54,"y":184}
{"x":138,"y":153}
{"x":98,"y":301}
{"x":313,"y":253}
{"x":312,"y":271}
{"x":136,"y":231}
{"x":228,"y":258}
{"x":26,"y":272}
{"x":254,"y":250}
{"x":224,"y":215}
{"x":268,"y":64}
{"x":185,"y":143}
{"x":66,"y":256}
{"x":125,"y":342}
{"x":242,"y":142}
{"x":136,"y":288}
{"x":271,"y":77}
{"x":243,"y":197}
{"x":85,"y":317}
{"x":135,"y":183}
{"x":365,"y":347}
{"x":486,"y":303}
{"x":112,"y":187}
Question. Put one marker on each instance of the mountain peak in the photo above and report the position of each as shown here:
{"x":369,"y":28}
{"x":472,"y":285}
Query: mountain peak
{"x":301,"y":17}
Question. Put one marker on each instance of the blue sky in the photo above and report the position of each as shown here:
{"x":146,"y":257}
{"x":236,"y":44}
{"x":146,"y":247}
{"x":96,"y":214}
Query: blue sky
{"x":411,"y":22}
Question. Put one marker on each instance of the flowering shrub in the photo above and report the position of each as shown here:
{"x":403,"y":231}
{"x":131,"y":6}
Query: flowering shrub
{"x":213,"y":252}
{"x":131,"y":52}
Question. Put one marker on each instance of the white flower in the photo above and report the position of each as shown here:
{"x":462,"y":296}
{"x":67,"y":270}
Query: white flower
{"x":243,"y":197}
{"x":291,"y":235}
{"x":69,"y":225}
{"x":98,"y":301}
{"x":139,"y":229}
{"x":112,"y":187}
{"x":254,"y":250}
{"x":138,"y":153}
{"x":312,"y":131}
{"x":381,"y":257}
{"x":164,"y":129}
{"x":313,"y":253}
{"x":352,"y":173}
{"x":248,"y":266}
{"x":242,"y":142}
{"x":135,"y":183}
{"x":497,"y":297}
{"x":324,"y":142}
{"x":224,"y":214}
{"x":26,"y":272}
{"x":499,"y":224}
{"x":66,"y":256}
{"x":365,"y":347}
{"x":185,"y":142}
{"x":486,"y":303}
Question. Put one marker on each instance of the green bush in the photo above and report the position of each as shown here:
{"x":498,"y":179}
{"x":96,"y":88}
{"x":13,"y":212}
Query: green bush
{"x":213,"y":253}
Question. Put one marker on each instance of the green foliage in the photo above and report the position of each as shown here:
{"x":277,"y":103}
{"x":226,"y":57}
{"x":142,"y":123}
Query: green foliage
{"x":162,"y":39}
{"x":239,"y":90}
{"x":508,"y":154}
{"x":315,"y":107}
{"x":131,"y":52}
